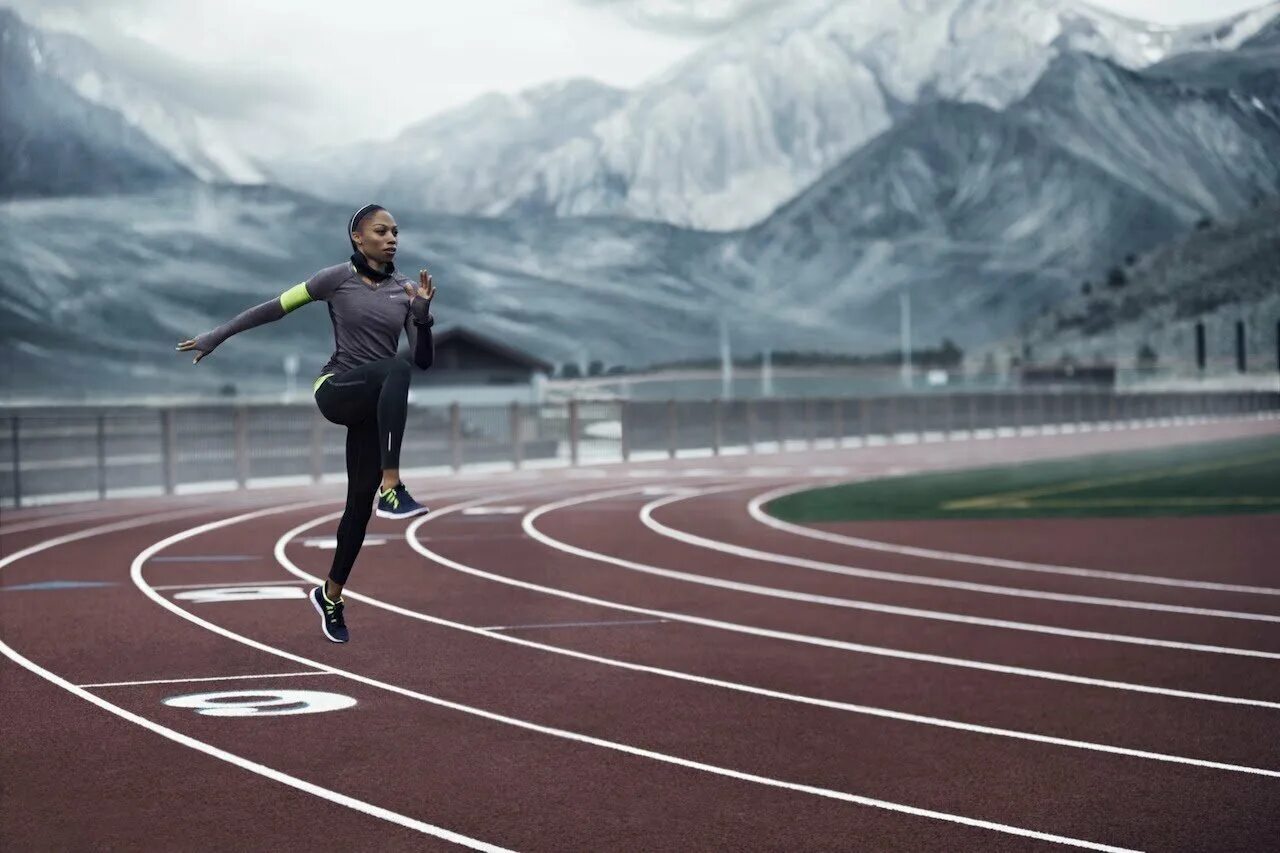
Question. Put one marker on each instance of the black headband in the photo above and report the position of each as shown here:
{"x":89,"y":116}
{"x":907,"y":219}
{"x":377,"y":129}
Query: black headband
{"x":356,"y":219}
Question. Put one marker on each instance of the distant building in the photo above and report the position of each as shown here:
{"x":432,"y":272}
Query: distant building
{"x":474,"y":368}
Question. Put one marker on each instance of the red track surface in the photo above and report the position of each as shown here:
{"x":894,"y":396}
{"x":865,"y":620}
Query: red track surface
{"x":802,"y":694}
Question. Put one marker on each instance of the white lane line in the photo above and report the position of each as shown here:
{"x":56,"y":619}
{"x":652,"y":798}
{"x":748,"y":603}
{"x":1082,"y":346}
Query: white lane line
{"x":199,"y":745}
{"x":223,"y":584}
{"x":756,"y":509}
{"x":731,"y":685}
{"x":858,"y":648}
{"x":646,"y":516}
{"x":851,"y":603}
{"x":604,"y":624}
{"x":192,"y":680}
{"x":135,"y":573}
{"x":209,"y":558}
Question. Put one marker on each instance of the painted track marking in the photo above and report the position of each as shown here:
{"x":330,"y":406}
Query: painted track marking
{"x":135,"y":573}
{"x":193,"y":680}
{"x":857,"y":648}
{"x":291,"y":567}
{"x":833,"y":601}
{"x":646,"y":516}
{"x":199,"y":745}
{"x":755,"y":507}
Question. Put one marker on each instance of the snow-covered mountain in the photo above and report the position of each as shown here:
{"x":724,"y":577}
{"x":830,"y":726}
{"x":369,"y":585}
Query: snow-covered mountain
{"x":52,"y":61}
{"x":722,"y":139}
{"x":461,"y":161}
{"x":53,"y":141}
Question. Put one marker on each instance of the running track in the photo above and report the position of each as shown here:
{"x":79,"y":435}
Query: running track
{"x":629,"y":657}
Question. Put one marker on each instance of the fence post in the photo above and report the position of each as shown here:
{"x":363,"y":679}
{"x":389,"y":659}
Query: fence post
{"x":672,"y":440}
{"x":168,"y":442}
{"x":15,"y":435}
{"x":751,"y":425}
{"x":716,"y":427}
{"x":455,"y":436}
{"x":864,"y":420}
{"x":317,"y":449}
{"x":810,"y":423}
{"x":102,"y":456}
{"x":623,"y":412}
{"x":837,"y":413}
{"x":573,"y":432}
{"x":517,"y":438}
{"x":242,"y":446}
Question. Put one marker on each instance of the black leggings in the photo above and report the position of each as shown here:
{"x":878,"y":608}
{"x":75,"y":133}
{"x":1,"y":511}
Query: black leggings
{"x":372,"y":402}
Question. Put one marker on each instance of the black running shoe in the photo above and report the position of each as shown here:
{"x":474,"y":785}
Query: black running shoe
{"x":398,"y":503}
{"x":331,"y":621}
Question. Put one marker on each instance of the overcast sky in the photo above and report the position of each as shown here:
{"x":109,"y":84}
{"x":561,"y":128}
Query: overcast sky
{"x":352,"y":70}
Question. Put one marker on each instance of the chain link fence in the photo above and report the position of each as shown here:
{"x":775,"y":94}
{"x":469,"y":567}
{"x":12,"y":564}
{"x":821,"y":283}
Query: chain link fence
{"x":71,"y":453}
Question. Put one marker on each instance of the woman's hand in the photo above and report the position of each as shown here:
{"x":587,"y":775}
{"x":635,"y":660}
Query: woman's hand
{"x":420,"y":299}
{"x":187,"y":346}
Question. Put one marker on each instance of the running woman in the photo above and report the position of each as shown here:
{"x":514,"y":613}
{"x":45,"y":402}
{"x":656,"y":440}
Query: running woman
{"x":364,"y":386}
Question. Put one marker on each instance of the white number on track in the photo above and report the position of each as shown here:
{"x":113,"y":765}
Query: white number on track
{"x":261,"y":703}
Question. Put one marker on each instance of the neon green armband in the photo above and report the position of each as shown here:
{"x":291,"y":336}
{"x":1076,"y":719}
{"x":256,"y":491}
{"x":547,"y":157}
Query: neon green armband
{"x":295,"y":297}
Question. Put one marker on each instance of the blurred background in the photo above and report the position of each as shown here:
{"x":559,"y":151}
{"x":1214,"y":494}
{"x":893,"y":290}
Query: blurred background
{"x":641,"y":200}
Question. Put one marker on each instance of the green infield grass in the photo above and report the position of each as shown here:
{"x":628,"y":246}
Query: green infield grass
{"x":1240,"y":476}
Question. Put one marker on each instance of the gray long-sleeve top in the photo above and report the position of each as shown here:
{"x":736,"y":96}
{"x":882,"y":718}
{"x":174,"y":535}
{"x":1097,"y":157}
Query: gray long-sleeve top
{"x":367,"y":319}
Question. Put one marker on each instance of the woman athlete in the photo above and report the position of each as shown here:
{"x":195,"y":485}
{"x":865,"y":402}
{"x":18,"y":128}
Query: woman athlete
{"x":364,"y":386}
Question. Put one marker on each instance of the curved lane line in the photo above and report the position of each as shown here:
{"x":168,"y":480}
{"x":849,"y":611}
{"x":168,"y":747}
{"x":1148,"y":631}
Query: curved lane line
{"x":646,"y":516}
{"x":199,"y":745}
{"x":852,"y":603}
{"x":756,"y":509}
{"x":135,"y":574}
{"x":858,"y":648}
{"x":866,"y":710}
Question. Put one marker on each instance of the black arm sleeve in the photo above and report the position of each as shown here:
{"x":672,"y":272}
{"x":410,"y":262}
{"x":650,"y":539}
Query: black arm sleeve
{"x":421,"y":346}
{"x":267,"y":312}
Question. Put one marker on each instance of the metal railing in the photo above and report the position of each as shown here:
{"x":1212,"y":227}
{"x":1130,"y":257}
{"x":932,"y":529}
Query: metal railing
{"x":87,"y":453}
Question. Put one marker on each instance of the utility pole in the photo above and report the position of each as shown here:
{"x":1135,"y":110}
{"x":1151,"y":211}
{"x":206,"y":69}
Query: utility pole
{"x":726,"y":362}
{"x":904,"y":302}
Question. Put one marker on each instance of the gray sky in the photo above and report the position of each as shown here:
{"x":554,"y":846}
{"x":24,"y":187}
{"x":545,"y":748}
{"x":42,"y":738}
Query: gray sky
{"x":294,"y":64}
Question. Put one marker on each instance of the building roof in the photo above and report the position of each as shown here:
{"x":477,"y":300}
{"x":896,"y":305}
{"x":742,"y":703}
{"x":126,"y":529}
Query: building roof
{"x":463,"y":334}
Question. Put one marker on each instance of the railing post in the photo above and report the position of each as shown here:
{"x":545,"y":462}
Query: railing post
{"x":15,"y":435}
{"x":517,"y":438}
{"x":837,"y":415}
{"x":317,"y":448}
{"x":624,"y":410}
{"x":102,"y":456}
{"x":672,"y":439}
{"x":751,"y":425}
{"x":455,"y":436}
{"x":242,"y":446}
{"x":716,"y":426}
{"x":168,"y":450}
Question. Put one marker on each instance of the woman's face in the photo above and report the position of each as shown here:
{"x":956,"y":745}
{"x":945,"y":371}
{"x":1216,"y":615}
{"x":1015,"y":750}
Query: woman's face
{"x":377,"y":237}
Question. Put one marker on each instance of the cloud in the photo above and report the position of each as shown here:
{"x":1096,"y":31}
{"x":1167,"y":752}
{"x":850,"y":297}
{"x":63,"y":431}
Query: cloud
{"x":687,"y":17}
{"x":225,"y":90}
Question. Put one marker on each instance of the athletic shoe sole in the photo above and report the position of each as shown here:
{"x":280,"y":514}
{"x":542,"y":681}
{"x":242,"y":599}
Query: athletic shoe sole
{"x":324,"y":624}
{"x":382,"y":513}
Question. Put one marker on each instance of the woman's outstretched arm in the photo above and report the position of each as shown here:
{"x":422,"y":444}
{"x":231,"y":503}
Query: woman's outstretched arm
{"x":267,"y":312}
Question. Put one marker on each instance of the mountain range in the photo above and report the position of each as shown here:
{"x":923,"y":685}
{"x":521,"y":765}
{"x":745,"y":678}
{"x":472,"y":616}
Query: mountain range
{"x":988,"y":212}
{"x":746,"y":123}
